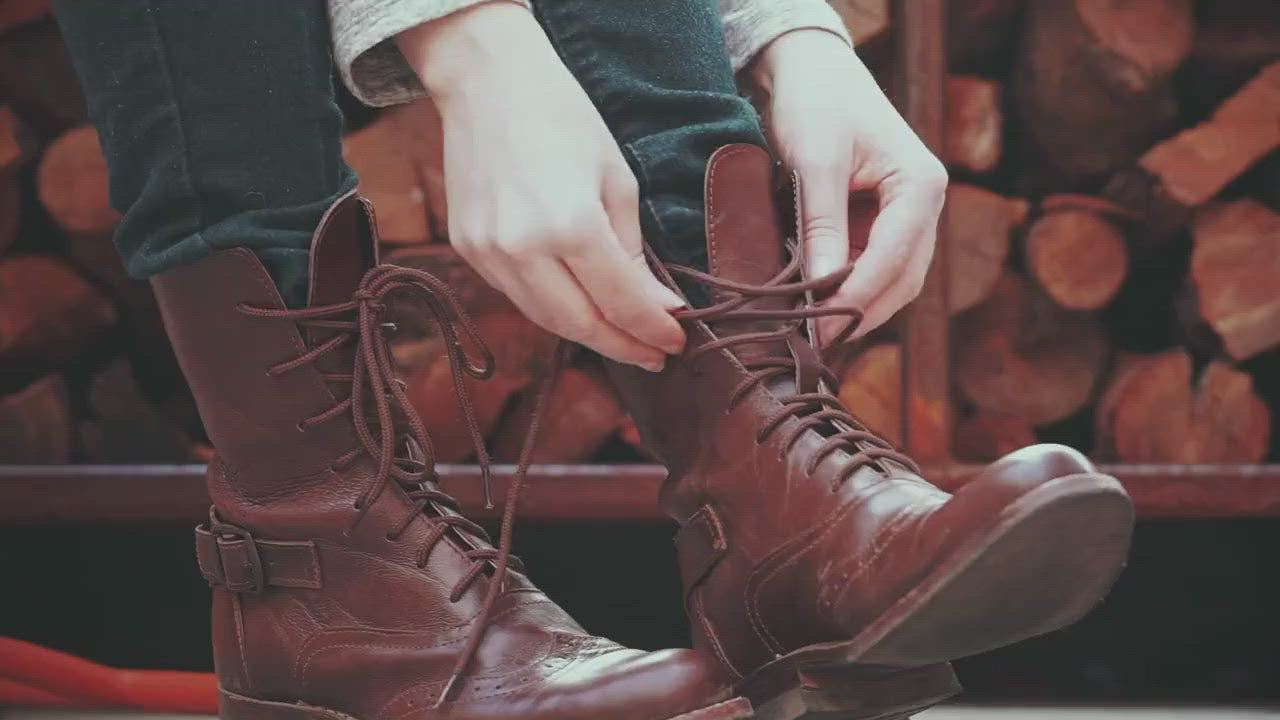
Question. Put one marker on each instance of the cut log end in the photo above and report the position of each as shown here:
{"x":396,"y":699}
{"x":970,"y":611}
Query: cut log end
{"x":1017,"y":354}
{"x":871,"y":389}
{"x":979,"y":226}
{"x":1235,"y":268}
{"x":1154,"y":411}
{"x":73,"y":184}
{"x":1078,"y":256}
{"x":975,"y":124}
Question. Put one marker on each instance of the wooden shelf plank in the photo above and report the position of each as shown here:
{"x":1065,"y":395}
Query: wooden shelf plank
{"x":579,"y":493}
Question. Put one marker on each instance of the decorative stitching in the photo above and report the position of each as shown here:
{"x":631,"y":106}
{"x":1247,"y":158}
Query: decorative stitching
{"x":244,"y":656}
{"x":700,"y":613}
{"x":757,"y":587}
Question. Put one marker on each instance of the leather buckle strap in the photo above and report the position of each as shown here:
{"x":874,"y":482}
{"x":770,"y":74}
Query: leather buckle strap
{"x":232,"y":557}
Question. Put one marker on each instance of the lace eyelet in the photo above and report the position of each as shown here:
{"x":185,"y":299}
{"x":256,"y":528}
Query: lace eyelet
{"x":357,"y":504}
{"x":391,"y":537}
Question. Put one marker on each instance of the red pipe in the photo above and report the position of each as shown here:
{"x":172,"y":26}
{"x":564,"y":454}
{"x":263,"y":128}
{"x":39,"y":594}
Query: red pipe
{"x":31,"y":674}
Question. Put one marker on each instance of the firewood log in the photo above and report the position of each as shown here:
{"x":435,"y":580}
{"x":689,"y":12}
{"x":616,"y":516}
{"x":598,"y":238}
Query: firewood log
{"x":389,"y":177}
{"x":1236,"y":271}
{"x":1076,"y":251}
{"x":975,"y":123}
{"x":983,"y":437}
{"x":1018,"y":354}
{"x":48,"y":314}
{"x":522,"y":353}
{"x":1190,"y":168}
{"x":14,"y":13}
{"x":1154,"y":411}
{"x":11,"y":161}
{"x":581,"y":414}
{"x":38,"y":80}
{"x":871,"y":388}
{"x":979,"y":225}
{"x":73,"y":185}
{"x":124,"y":427}
{"x":35,"y":424}
{"x":1093,"y":86}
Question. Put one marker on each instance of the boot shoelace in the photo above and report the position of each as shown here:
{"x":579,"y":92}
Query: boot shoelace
{"x":814,"y":409}
{"x":374,"y":376}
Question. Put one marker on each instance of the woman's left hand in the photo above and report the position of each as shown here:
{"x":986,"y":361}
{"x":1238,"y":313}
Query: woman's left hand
{"x":830,"y":122}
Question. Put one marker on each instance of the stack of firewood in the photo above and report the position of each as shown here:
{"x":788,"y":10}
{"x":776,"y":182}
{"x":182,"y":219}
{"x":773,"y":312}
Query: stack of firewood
{"x":1113,"y":231}
{"x":1113,"y":253}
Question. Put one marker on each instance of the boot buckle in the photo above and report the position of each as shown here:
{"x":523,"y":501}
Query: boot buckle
{"x":244,"y":574}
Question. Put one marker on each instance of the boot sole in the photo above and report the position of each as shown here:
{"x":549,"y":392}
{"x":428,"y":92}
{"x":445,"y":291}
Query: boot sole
{"x":785,"y":691}
{"x":1047,"y":560}
{"x":238,"y":707}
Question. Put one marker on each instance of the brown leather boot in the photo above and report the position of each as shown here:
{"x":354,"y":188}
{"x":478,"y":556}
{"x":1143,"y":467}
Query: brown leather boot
{"x":347,"y":586}
{"x":828,"y":577}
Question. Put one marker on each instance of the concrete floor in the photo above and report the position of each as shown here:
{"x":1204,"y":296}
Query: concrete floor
{"x":945,"y":713}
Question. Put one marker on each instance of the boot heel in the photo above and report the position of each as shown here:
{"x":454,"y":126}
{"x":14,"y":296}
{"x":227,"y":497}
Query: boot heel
{"x":237,"y":707}
{"x":856,"y":693}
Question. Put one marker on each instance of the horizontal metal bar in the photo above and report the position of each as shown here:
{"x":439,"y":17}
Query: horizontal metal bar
{"x":61,"y":494}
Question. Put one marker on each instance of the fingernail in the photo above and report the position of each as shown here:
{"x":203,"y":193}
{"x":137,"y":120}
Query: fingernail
{"x":669,"y":299}
{"x":654,"y":367}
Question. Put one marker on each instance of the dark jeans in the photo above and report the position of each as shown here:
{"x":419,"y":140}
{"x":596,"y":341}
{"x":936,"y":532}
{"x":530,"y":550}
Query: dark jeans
{"x":219,"y":125}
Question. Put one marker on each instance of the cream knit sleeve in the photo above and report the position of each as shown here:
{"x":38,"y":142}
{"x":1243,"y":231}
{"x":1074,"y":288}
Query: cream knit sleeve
{"x":750,"y":25}
{"x":373,"y":68}
{"x":363,"y":46}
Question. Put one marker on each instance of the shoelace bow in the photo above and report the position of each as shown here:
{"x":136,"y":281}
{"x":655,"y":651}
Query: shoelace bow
{"x":821,"y":410}
{"x":373,"y":376}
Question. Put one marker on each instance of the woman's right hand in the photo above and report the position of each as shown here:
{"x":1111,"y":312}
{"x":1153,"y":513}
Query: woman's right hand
{"x":541,"y":201}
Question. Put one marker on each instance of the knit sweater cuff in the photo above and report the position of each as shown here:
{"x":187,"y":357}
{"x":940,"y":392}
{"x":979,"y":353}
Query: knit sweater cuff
{"x":365,"y":50}
{"x":750,"y":25}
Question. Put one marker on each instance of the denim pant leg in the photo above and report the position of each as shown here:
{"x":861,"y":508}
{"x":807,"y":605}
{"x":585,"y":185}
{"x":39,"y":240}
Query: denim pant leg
{"x":659,"y":73}
{"x":219,"y":125}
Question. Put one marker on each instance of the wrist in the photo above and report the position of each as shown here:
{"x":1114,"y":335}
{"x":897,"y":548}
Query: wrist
{"x":807,"y":47}
{"x":447,"y":52}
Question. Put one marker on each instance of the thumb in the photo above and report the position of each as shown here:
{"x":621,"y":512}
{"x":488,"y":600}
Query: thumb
{"x":823,"y":203}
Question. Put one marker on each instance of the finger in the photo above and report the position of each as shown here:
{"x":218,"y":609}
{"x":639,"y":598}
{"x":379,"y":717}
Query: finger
{"x":824,"y":216}
{"x":900,"y":294}
{"x":904,"y":229}
{"x":622,"y":205}
{"x":624,"y":292}
{"x":550,"y":296}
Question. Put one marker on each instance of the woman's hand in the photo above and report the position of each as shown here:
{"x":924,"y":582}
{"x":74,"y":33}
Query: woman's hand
{"x":541,"y":201}
{"x":830,"y":122}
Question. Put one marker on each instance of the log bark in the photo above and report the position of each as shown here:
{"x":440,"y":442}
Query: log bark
{"x":522,"y":353}
{"x":1093,"y":87}
{"x":1154,"y":411}
{"x":871,"y":388}
{"x":73,"y":186}
{"x":1235,"y":268}
{"x":1076,"y":251}
{"x":48,"y":315}
{"x":1190,"y":168}
{"x":975,"y":123}
{"x":582,"y":413}
{"x":38,"y":80}
{"x":122,"y":426}
{"x":1018,"y":354}
{"x":983,"y":437}
{"x":979,"y":226}
{"x":35,"y":424}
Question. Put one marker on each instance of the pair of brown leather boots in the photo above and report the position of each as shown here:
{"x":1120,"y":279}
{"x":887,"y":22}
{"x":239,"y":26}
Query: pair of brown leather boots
{"x":824,"y":578}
